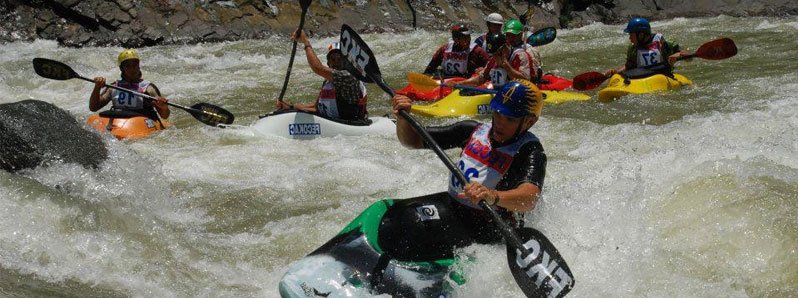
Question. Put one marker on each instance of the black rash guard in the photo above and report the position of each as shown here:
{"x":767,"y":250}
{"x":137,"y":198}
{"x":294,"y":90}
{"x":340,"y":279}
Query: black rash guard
{"x":529,"y":165}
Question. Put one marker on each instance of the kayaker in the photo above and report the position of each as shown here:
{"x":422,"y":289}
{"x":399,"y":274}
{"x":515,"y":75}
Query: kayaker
{"x":647,"y":50}
{"x":504,"y":162}
{"x":459,"y":57}
{"x":128,"y":61}
{"x":494,"y":22}
{"x":342,"y":96}
{"x":517,"y":60}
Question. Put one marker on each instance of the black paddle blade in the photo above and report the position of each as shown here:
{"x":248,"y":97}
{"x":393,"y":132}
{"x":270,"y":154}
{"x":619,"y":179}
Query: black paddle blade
{"x":588,"y":80}
{"x":52,"y":69}
{"x":542,"y":37}
{"x":717,"y":49}
{"x":210,"y":114}
{"x":542,"y":273}
{"x":361,"y":60}
{"x":304,"y":4}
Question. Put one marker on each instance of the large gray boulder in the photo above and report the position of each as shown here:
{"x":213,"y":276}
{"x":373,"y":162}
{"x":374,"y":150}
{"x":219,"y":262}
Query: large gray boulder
{"x":34,"y":133}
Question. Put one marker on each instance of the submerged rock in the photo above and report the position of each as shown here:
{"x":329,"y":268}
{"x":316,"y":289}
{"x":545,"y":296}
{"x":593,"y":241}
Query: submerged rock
{"x":33,"y":133}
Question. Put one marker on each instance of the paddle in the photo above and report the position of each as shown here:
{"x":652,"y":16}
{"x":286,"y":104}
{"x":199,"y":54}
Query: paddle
{"x":712,"y":50}
{"x":204,"y":112}
{"x":413,"y":10}
{"x":532,"y":257}
{"x":304,"y":4}
{"x":424,"y":83}
{"x":542,"y":37}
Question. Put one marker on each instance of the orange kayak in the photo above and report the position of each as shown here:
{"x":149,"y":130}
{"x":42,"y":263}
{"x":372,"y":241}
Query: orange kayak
{"x":126,"y":125}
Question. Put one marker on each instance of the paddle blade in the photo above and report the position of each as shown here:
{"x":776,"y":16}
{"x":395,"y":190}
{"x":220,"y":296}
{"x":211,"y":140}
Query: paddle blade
{"x":542,"y":273}
{"x":542,"y":37}
{"x":717,"y":49}
{"x":361,"y":60}
{"x":588,"y":80}
{"x":210,"y":114}
{"x":52,"y":69}
{"x":421,"y":82}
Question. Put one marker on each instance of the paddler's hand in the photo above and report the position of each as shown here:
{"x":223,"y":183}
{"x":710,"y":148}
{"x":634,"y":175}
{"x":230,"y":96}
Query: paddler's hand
{"x":281,"y":105}
{"x":300,"y":38}
{"x":160,"y":102}
{"x":610,"y":72}
{"x":476,"y":192}
{"x":99,"y":82}
{"x":400,"y":102}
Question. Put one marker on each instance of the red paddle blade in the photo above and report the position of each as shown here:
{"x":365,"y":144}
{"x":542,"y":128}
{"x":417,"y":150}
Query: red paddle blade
{"x":588,"y":80}
{"x":717,"y":49}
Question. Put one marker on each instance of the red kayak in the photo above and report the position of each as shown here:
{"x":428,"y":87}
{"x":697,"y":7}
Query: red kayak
{"x":432,"y":95}
{"x":554,"y":83}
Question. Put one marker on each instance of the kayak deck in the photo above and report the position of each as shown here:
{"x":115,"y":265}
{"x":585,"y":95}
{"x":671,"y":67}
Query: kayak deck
{"x":658,"y":83}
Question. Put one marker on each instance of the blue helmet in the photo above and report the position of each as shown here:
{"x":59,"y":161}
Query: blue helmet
{"x":638,"y":25}
{"x":518,"y":98}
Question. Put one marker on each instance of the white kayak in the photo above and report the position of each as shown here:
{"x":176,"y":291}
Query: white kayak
{"x":301,"y":125}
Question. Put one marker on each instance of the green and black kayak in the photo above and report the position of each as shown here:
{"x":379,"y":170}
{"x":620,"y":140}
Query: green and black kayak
{"x":405,"y":248}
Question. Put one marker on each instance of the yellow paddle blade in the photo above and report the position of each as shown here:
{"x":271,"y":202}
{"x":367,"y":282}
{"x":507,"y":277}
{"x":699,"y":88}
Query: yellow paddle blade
{"x":421,"y":82}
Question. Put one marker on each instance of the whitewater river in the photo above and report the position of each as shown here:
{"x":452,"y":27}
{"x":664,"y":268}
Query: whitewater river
{"x":693,"y":194}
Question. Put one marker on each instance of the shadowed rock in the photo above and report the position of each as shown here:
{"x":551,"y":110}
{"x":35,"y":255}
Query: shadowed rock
{"x":34,"y":132}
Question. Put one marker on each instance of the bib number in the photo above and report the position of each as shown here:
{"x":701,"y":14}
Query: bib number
{"x":453,"y":68}
{"x":127,"y":100}
{"x":650,"y":58}
{"x":468,"y":173}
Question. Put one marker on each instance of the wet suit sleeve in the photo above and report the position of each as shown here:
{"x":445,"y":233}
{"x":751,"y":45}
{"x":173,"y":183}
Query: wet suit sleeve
{"x":436,"y":61}
{"x":452,"y":136}
{"x":529,"y":165}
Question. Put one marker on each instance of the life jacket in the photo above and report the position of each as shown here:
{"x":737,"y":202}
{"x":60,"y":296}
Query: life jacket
{"x":327,"y":103}
{"x":482,"y":163}
{"x":456,"y":63}
{"x":651,"y":54}
{"x":499,"y":76}
{"x":127,"y":101}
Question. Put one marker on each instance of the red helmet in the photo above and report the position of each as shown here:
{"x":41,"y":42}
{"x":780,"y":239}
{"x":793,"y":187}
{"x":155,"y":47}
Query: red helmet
{"x":460,"y":30}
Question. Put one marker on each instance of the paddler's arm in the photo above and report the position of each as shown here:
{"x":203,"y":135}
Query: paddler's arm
{"x":520,"y":199}
{"x":97,"y":100}
{"x":404,"y":131}
{"x":436,"y":61}
{"x":160,"y":102}
{"x":313,"y":60}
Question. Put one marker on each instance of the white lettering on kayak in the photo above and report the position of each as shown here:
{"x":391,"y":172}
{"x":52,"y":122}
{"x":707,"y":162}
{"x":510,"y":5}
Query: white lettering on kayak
{"x":542,"y":269}
{"x":484,"y":109}
{"x":353,"y":52}
{"x":304,"y":129}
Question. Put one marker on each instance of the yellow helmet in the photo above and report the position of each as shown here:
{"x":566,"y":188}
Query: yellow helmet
{"x":127,"y":54}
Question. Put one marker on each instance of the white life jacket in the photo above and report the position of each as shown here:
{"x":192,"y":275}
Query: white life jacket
{"x":456,"y":63}
{"x":651,"y":54}
{"x":327,"y":106}
{"x":126,"y":100}
{"x":484,"y":164}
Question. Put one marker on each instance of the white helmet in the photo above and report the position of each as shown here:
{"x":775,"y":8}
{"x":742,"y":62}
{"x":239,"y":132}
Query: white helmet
{"x":495,"y":18}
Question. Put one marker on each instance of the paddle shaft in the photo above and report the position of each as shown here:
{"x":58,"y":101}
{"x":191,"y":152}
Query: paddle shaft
{"x":509,"y":236}
{"x":293,"y":53}
{"x":149,"y":97}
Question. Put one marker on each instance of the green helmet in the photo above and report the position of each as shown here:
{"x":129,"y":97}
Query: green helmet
{"x":513,"y":26}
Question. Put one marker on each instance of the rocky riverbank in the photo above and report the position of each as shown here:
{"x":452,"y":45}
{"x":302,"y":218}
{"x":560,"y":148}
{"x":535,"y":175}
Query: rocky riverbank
{"x":136,"y":23}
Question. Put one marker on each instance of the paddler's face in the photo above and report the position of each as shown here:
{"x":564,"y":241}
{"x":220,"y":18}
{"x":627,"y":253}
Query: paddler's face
{"x":505,"y":128}
{"x":335,"y":60}
{"x":494,"y":28}
{"x":513,"y":39}
{"x":130,"y":70}
{"x":463,"y":41}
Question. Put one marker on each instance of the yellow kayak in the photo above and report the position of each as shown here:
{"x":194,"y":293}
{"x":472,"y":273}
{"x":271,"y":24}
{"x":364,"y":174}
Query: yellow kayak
{"x":126,"y":125}
{"x":616,"y":87}
{"x":455,"y":105}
